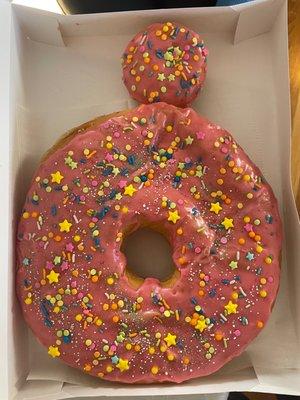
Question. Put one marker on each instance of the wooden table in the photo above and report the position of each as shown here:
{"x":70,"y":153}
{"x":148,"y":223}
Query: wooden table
{"x":294,"y":53}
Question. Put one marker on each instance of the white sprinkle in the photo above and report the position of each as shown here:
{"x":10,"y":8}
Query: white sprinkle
{"x":242,"y":291}
{"x":75,"y":219}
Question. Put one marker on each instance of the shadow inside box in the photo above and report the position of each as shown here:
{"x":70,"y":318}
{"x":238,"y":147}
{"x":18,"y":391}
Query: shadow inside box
{"x":259,"y":396}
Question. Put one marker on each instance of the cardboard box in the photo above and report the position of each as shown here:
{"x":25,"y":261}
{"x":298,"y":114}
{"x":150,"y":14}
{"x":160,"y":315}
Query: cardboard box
{"x":58,"y":71}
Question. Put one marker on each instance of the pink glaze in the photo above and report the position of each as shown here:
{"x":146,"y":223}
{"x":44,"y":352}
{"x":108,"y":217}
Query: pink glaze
{"x":170,"y":66}
{"x":87,"y":313}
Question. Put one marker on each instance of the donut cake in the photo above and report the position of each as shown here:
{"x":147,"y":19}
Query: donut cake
{"x":165,"y":62}
{"x":172,"y":170}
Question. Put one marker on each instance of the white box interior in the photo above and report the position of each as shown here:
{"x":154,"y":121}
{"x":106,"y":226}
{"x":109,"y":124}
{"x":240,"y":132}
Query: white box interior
{"x":66,"y":70}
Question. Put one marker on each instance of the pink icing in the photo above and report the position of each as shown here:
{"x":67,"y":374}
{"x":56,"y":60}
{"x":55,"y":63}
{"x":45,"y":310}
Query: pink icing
{"x":170,"y":66}
{"x":89,"y":315}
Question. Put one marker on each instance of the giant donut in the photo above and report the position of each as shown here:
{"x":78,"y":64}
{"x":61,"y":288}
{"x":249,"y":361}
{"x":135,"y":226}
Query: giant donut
{"x":171,"y":169}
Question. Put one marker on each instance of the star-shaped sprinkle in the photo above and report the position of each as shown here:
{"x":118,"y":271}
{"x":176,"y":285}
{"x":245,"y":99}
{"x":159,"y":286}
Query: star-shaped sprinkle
{"x":181,"y":165}
{"x":170,"y":339}
{"x":250,"y":256}
{"x":53,"y":351}
{"x":26,"y":261}
{"x":57,"y":260}
{"x":56,"y":177}
{"x":52,"y":276}
{"x":122,"y":183}
{"x":161,"y":77}
{"x":122,"y":365}
{"x":129,"y":190}
{"x":109,"y":157}
{"x":233,"y":264}
{"x":69,"y":247}
{"x":114,"y":359}
{"x":201,"y":325}
{"x":215,"y":207}
{"x":171,"y":77}
{"x":189,"y":140}
{"x":200,"y":135}
{"x":227,"y":223}
{"x":248,"y":227}
{"x":115,"y":171}
{"x":65,"y":226}
{"x":118,"y":196}
{"x":173,"y":216}
{"x":231,"y":308}
{"x":49,"y":265}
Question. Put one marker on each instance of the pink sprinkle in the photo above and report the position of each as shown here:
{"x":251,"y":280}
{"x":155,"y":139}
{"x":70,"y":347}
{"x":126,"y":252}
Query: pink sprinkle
{"x":144,"y":132}
{"x":116,"y":134}
{"x":80,"y":295}
{"x":113,"y":348}
{"x":186,"y":47}
{"x":74,"y":284}
{"x":223,"y":240}
{"x":94,"y":219}
{"x":92,"y":346}
{"x":94,"y":183}
{"x":224,"y":149}
{"x":142,"y":49}
{"x":82,"y":197}
{"x":200,"y":135}
{"x":205,"y":51}
{"x":206,"y":278}
{"x":69,"y":247}
{"x":85,"y":312}
{"x":248,"y":227}
{"x":270,"y":279}
{"x":122,"y":183}
{"x":49,"y":265}
{"x":180,"y":202}
{"x":237,"y":332}
{"x":64,"y":265}
{"x":186,"y":56}
{"x":226,"y":141}
{"x":197,"y":250}
{"x":161,"y":309}
{"x":109,"y":157}
{"x":187,"y":159}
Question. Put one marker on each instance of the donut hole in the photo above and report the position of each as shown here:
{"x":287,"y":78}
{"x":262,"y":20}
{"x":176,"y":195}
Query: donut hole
{"x":148,"y":255}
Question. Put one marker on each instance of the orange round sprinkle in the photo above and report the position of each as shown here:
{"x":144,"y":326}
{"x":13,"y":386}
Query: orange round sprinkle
{"x":95,"y":278}
{"x":251,"y":234}
{"x":115,"y":318}
{"x":259,"y":324}
{"x":242,"y":241}
{"x":57,"y":238}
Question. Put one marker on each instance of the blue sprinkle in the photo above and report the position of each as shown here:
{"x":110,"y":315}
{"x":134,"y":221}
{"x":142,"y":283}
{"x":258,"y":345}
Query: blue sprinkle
{"x":53,"y":210}
{"x":225,"y":281}
{"x":193,"y":300}
{"x":67,"y":339}
{"x":184,"y":84}
{"x":159,"y":54}
{"x":212,"y":293}
{"x":131,"y":159}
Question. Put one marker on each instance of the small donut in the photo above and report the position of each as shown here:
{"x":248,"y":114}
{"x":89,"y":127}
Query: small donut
{"x":166,"y":62}
{"x":170,"y":169}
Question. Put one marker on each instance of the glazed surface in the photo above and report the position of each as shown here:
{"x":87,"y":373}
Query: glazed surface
{"x":165,"y":62}
{"x":171,"y":167}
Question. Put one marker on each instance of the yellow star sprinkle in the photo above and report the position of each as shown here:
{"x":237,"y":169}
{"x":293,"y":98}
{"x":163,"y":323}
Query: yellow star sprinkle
{"x":129,"y":190}
{"x":173,"y":216}
{"x":53,"y":276}
{"x":227,"y":223}
{"x":56,"y":177}
{"x":122,"y":365}
{"x":170,"y":339}
{"x":231,"y":308}
{"x":215,"y":207}
{"x":201,"y":325}
{"x":53,"y":351}
{"x":189,"y":140}
{"x":65,"y":226}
